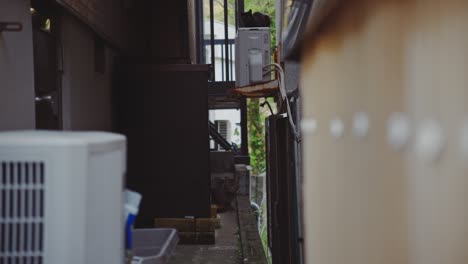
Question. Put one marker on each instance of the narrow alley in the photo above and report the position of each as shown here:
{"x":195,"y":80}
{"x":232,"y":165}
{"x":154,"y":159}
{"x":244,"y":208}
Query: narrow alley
{"x":233,"y":132}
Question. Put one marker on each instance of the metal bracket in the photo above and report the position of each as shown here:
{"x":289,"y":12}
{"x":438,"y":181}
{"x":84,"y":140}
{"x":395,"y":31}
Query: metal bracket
{"x":11,"y":26}
{"x":50,"y":99}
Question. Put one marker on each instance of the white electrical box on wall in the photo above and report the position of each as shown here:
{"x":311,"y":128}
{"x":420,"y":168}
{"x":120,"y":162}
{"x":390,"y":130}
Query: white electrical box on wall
{"x":61,"y":197}
{"x":252,"y":55}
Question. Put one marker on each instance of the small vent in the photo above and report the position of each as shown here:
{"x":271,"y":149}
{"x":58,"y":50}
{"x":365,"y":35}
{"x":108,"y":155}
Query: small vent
{"x":21,"y":212}
{"x":223,"y":128}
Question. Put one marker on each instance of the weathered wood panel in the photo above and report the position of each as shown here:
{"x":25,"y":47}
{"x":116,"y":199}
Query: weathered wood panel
{"x":366,"y":202}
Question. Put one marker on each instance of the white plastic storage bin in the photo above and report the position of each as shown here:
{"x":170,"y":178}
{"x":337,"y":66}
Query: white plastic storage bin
{"x":154,"y":245}
{"x":62,"y":197}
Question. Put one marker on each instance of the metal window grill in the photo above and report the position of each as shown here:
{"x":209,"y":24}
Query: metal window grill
{"x":21,"y":212}
{"x":222,"y":45}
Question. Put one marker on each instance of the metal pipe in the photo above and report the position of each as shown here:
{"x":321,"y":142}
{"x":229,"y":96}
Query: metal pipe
{"x":226,"y":38}
{"x":230,"y":62}
{"x":237,"y":13}
{"x":244,"y":130}
{"x":258,"y":212}
{"x":222,"y":65}
{"x":213,"y":76}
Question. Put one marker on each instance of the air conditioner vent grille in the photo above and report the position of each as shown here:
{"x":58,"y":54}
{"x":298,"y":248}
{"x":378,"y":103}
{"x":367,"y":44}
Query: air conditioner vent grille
{"x":22,"y":212}
{"x":223,"y":128}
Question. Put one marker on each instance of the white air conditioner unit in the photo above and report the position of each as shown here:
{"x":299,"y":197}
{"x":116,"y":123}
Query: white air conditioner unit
{"x":252,"y":55}
{"x":61,"y":197}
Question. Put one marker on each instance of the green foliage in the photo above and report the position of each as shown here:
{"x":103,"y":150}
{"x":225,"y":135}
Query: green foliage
{"x":256,"y":128}
{"x":218,"y":10}
{"x":266,"y":7}
{"x":237,"y":133}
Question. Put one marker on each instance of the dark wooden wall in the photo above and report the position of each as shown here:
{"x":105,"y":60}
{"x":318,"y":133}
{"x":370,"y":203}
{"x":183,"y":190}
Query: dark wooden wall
{"x":160,"y":31}
{"x":169,"y":30}
{"x":107,"y":18}
{"x":163,"y":110}
{"x":281,"y":191}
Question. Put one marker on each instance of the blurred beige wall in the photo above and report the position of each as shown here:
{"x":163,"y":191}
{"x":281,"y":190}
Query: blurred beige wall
{"x":86,"y":94}
{"x":366,"y":202}
{"x":17,"y":107}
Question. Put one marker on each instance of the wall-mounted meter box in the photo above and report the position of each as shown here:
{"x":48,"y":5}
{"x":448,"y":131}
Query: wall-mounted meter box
{"x":252,"y":55}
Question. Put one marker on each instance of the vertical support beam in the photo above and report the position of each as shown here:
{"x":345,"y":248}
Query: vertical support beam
{"x":236,"y":12}
{"x":239,"y":11}
{"x":226,"y":39}
{"x":279,"y":5}
{"x":213,"y":63}
{"x":240,"y":7}
{"x":230,"y":63}
{"x":223,"y":71}
{"x":199,"y":34}
{"x":244,"y":131}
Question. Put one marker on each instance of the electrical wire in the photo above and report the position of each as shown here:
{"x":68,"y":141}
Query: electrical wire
{"x":284,"y":97}
{"x":268,"y":104}
{"x":281,"y":79}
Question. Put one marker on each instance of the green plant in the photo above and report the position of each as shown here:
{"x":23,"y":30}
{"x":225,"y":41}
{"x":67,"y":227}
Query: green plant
{"x":266,"y":7}
{"x":256,"y":116}
{"x":256,"y":129}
